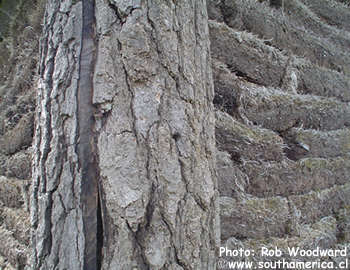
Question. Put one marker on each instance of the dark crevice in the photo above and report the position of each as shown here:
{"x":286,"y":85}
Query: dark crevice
{"x":178,"y":260}
{"x":176,"y":136}
{"x":294,"y":150}
{"x":276,"y":3}
{"x":239,"y":237}
{"x":225,"y":100}
{"x":138,"y":245}
{"x":235,"y":157}
{"x":86,"y":148}
{"x":116,"y":11}
{"x":106,"y":233}
{"x":228,"y":10}
{"x":100,"y":234}
{"x":120,"y":15}
{"x":246,"y":77}
{"x":243,"y":75}
{"x":132,"y":94}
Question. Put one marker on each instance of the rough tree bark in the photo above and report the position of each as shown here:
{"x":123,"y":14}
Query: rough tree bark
{"x":124,"y":160}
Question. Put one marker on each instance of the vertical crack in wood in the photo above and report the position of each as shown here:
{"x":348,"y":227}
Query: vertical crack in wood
{"x":88,"y":161}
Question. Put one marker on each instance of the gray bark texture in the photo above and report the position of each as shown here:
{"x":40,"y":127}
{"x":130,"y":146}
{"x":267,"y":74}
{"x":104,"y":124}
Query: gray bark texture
{"x":124,"y":146}
{"x":281,"y":72}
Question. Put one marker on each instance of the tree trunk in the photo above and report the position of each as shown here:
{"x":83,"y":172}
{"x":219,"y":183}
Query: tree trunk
{"x":124,"y":171}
